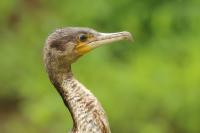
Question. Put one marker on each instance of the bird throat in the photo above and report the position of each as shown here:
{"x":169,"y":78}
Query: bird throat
{"x":87,"y":113}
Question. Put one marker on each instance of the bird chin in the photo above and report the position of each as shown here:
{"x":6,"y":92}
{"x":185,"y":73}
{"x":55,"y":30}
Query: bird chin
{"x":83,"y":49}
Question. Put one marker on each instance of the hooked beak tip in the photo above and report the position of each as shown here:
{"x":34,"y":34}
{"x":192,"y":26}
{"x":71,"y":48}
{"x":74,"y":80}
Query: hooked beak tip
{"x":128,"y":36}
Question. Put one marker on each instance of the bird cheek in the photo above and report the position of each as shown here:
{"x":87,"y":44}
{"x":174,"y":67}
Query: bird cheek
{"x":83,"y":49}
{"x":69,"y":48}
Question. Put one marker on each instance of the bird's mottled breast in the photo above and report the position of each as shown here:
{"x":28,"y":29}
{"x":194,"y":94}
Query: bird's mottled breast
{"x":87,"y":112}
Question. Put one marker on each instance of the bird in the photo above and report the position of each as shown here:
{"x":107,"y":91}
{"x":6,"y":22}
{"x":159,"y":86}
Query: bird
{"x":62,"y":48}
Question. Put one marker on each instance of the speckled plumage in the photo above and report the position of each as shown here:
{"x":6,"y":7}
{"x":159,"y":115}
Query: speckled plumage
{"x":62,"y":48}
{"x":89,"y":116}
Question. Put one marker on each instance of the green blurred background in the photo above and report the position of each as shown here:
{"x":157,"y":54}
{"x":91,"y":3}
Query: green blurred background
{"x":149,"y":86}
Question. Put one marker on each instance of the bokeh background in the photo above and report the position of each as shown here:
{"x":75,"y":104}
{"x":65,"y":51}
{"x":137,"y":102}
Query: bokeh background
{"x":149,"y":86}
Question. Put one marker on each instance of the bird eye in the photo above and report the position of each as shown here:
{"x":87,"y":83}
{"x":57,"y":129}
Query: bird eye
{"x":82,"y":37}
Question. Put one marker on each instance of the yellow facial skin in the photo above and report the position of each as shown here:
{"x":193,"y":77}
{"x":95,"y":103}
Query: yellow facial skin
{"x":82,"y":48}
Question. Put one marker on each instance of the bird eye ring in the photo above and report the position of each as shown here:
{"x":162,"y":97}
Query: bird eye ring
{"x":82,"y":37}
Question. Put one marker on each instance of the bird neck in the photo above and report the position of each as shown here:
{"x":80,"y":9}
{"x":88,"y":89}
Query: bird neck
{"x":87,"y":113}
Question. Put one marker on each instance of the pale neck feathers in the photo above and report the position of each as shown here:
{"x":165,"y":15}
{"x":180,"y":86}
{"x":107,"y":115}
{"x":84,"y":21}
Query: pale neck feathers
{"x":87,"y":113}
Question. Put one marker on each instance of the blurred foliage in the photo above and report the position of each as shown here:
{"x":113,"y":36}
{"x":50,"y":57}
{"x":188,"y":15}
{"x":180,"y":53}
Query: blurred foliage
{"x":150,"y":86}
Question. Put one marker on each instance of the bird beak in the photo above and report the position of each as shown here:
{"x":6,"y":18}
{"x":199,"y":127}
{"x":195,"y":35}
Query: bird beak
{"x":101,"y":39}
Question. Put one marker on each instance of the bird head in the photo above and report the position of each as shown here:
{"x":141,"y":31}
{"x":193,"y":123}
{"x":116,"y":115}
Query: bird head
{"x":68,"y":44}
